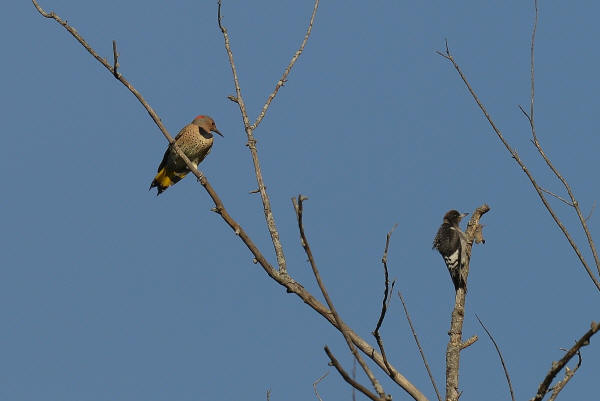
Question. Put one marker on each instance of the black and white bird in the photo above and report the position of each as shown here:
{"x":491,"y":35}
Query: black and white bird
{"x":451,"y":242}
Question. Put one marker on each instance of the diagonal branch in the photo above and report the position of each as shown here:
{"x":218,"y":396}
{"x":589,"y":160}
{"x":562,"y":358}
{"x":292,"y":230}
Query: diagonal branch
{"x":557,"y":366}
{"x":283,"y":78}
{"x":299,"y":208}
{"x":569,"y":373}
{"x":270,"y":219}
{"x":530,"y":117}
{"x":350,"y":380}
{"x":512,"y":393}
{"x":414,"y":333}
{"x":319,"y":380}
{"x":448,"y":56}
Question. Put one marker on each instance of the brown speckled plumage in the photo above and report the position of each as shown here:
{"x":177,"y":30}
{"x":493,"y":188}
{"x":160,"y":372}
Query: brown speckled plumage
{"x":195,"y":141}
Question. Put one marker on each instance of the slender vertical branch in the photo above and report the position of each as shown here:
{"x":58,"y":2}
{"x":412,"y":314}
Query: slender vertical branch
{"x":386,"y":293}
{"x":270,"y":219}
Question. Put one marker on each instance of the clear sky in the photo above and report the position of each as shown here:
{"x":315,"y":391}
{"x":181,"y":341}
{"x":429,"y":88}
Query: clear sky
{"x":108,"y":292}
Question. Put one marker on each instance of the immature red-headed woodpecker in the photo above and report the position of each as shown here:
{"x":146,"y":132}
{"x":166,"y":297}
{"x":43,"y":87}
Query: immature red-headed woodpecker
{"x":451,"y":242}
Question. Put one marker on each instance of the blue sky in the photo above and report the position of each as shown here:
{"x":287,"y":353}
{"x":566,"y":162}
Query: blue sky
{"x":109,"y":292}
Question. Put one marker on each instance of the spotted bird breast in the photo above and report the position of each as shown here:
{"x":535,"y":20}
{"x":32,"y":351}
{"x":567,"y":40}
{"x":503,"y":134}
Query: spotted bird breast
{"x":195,"y":143}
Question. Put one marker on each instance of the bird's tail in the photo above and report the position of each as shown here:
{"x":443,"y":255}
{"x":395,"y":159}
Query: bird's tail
{"x":165,"y":178}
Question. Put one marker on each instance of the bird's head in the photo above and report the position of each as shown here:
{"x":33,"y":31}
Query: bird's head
{"x":454,"y":217}
{"x":206,"y":123}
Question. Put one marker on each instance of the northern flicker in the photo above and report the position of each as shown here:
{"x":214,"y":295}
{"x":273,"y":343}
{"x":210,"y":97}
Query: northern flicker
{"x":195,"y":141}
{"x":451,"y":242}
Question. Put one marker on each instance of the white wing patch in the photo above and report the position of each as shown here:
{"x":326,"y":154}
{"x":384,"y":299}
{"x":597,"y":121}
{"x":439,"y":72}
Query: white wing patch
{"x":452,"y":260}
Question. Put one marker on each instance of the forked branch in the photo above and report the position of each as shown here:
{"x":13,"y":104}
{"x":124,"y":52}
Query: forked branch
{"x":557,"y":366}
{"x":448,"y":56}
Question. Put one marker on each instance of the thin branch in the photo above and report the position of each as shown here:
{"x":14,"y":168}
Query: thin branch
{"x":269,"y":395}
{"x":557,"y":197}
{"x":219,"y":206}
{"x":549,"y":163}
{"x":448,"y":56}
{"x":589,"y":216}
{"x":317,"y":382}
{"x":348,"y":379}
{"x":469,"y":342}
{"x":557,"y":366}
{"x":510,"y":387}
{"x":299,"y":208}
{"x":414,"y":333}
{"x":569,"y":373}
{"x":269,"y":218}
{"x":283,"y":78}
{"x":386,"y":293}
{"x":458,"y":313}
{"x":281,"y":277}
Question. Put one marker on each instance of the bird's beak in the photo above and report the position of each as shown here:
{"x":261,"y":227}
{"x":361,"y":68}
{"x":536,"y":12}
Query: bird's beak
{"x":217,"y":131}
{"x":463,"y":215}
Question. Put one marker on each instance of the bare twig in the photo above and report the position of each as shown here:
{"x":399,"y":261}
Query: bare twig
{"x":317,"y":382}
{"x":569,"y":373}
{"x":470,"y":341}
{"x":557,"y":366}
{"x":510,"y":387}
{"x":549,"y":163}
{"x":283,"y":78}
{"x":299,"y":208}
{"x":448,"y":56}
{"x":386,"y":294}
{"x":348,"y":379}
{"x":589,"y":216}
{"x":270,"y":219}
{"x":557,"y":197}
{"x":414,"y":333}
{"x":458,"y":314}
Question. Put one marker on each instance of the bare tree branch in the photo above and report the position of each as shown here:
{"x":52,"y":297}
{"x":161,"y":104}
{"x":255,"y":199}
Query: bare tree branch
{"x":414,"y":333}
{"x":557,"y":366}
{"x":569,"y":373}
{"x":510,"y":387}
{"x":317,"y":382}
{"x":349,"y":380}
{"x":538,"y":146}
{"x":386,"y":294}
{"x":280,"y":276}
{"x":270,"y":219}
{"x":283,"y":78}
{"x":470,"y":341}
{"x":557,"y":197}
{"x":299,"y":208}
{"x":448,"y":56}
{"x":458,"y":313}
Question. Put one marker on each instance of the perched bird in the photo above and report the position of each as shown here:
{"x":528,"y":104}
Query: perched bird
{"x":195,"y":141}
{"x":451,"y":242}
